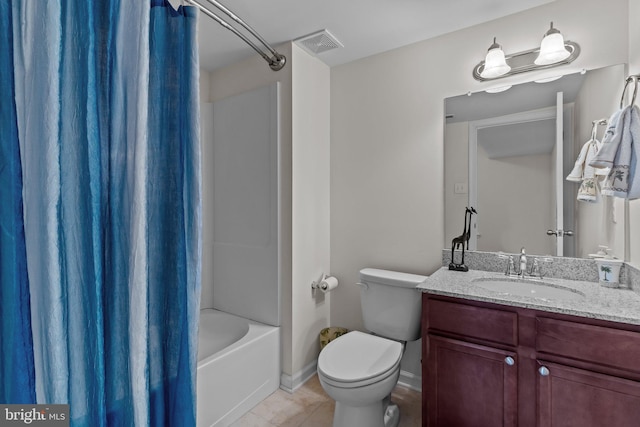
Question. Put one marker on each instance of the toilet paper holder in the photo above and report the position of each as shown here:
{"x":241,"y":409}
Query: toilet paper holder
{"x":316,"y":285}
{"x":325,"y":283}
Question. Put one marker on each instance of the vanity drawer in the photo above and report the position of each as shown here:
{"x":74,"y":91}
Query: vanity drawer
{"x":471,"y":321}
{"x":596,"y":344}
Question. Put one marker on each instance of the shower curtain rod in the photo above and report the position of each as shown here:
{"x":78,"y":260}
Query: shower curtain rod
{"x":276,"y":61}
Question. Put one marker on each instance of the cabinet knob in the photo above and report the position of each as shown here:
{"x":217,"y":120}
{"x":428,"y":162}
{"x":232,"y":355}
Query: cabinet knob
{"x":509,"y":361}
{"x":544,"y":371}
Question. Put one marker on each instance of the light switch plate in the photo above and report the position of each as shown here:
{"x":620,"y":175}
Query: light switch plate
{"x":460,"y":188}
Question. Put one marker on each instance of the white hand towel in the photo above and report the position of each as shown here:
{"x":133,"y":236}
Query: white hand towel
{"x":622,"y":180}
{"x":634,"y":131}
{"x":581,"y":169}
{"x":610,"y":141}
{"x":588,"y":191}
{"x":577,"y":172}
{"x":599,"y":172}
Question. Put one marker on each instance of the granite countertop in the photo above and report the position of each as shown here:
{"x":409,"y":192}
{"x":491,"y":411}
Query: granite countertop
{"x":599,"y":302}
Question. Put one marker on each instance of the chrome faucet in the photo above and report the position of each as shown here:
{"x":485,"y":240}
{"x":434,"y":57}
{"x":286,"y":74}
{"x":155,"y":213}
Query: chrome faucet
{"x":523,"y":272}
{"x":536,"y":266}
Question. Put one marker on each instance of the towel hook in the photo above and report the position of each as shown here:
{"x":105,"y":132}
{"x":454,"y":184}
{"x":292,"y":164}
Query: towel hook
{"x":630,"y":79}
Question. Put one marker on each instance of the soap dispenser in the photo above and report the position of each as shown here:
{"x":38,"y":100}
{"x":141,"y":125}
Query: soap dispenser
{"x":609,"y":270}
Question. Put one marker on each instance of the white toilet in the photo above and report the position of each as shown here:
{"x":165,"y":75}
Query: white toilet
{"x":360,"y":370}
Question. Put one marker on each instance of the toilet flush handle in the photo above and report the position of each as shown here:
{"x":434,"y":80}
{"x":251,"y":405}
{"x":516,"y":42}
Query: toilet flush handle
{"x":364,"y":285}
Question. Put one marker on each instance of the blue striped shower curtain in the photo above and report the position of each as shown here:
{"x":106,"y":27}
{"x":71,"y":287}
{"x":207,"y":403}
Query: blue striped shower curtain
{"x":16,"y":348}
{"x":106,"y":100}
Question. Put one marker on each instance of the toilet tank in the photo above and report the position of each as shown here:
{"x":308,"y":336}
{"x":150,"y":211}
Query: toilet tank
{"x":391,"y":304}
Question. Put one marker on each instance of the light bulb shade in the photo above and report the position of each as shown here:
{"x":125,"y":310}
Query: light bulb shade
{"x":495,"y":65}
{"x":552,"y":50}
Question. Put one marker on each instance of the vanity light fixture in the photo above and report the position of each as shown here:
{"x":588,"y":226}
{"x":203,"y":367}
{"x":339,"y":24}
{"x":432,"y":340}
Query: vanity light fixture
{"x":552,"y":48}
{"x":553,"y":51}
{"x":494,"y":64}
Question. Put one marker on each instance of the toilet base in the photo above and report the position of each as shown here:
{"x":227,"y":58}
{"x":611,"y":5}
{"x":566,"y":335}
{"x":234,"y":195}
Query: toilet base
{"x":378,"y":414}
{"x":392,"y":415}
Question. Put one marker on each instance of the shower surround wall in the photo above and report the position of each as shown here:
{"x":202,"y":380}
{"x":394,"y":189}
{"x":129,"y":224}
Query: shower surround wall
{"x":303,"y":196}
{"x":240,"y":204}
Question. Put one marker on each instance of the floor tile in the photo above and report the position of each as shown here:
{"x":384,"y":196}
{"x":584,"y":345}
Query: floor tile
{"x":252,"y":420}
{"x":281,"y":409}
{"x":309,"y":406}
{"x":321,"y":417}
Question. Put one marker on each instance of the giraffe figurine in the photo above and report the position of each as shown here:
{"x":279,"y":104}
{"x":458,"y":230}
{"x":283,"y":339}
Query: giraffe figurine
{"x":461,"y":240}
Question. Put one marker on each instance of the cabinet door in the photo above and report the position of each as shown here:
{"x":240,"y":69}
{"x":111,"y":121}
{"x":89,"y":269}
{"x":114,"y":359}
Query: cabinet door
{"x":470,"y":385}
{"x":571,"y":397}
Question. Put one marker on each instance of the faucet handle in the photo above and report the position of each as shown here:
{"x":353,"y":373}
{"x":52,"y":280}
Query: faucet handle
{"x":536,"y":269}
{"x":511,"y":267}
{"x":510,"y":264}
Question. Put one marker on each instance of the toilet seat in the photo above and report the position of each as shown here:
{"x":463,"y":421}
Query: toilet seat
{"x":357,"y":359}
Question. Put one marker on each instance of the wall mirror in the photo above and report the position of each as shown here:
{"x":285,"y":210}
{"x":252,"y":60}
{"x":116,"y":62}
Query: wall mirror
{"x":508,"y":154}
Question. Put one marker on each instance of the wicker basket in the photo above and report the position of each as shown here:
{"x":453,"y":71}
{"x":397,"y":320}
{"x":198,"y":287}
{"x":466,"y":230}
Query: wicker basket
{"x":329,"y":334}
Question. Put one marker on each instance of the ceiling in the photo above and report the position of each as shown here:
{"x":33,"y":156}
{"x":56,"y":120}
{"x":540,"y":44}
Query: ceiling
{"x":364,"y":27}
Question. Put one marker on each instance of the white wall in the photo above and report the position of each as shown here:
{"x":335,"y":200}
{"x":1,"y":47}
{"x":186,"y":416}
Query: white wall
{"x":634,"y":68}
{"x":456,"y":157}
{"x":387,"y":137}
{"x":310,"y":204}
{"x":204,"y":86}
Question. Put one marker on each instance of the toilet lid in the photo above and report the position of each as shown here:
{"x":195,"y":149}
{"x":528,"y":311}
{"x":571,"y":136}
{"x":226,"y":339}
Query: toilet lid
{"x":357,"y":356}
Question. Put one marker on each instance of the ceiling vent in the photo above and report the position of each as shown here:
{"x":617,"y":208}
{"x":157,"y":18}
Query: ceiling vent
{"x":318,"y":42}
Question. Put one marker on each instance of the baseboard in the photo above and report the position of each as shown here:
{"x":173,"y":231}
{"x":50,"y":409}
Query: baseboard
{"x":409,"y":380}
{"x":291,"y":383}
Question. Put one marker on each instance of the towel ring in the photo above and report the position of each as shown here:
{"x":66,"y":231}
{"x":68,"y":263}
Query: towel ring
{"x":630,"y":79}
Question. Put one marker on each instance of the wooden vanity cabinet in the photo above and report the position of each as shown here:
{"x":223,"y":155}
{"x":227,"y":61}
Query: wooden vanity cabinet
{"x":494,"y":365}
{"x":569,"y":396}
{"x":469,"y":379}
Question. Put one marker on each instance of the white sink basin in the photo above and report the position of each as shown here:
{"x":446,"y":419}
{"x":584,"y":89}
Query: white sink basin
{"x":528,"y":288}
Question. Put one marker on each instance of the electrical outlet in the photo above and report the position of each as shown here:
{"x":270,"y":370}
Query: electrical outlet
{"x":460,"y":188}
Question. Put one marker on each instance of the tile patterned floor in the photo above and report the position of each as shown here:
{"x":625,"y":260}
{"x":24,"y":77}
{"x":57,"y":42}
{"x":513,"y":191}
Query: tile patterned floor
{"x":310,"y":406}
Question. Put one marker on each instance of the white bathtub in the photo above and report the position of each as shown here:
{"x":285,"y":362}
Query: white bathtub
{"x":238,"y":366}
